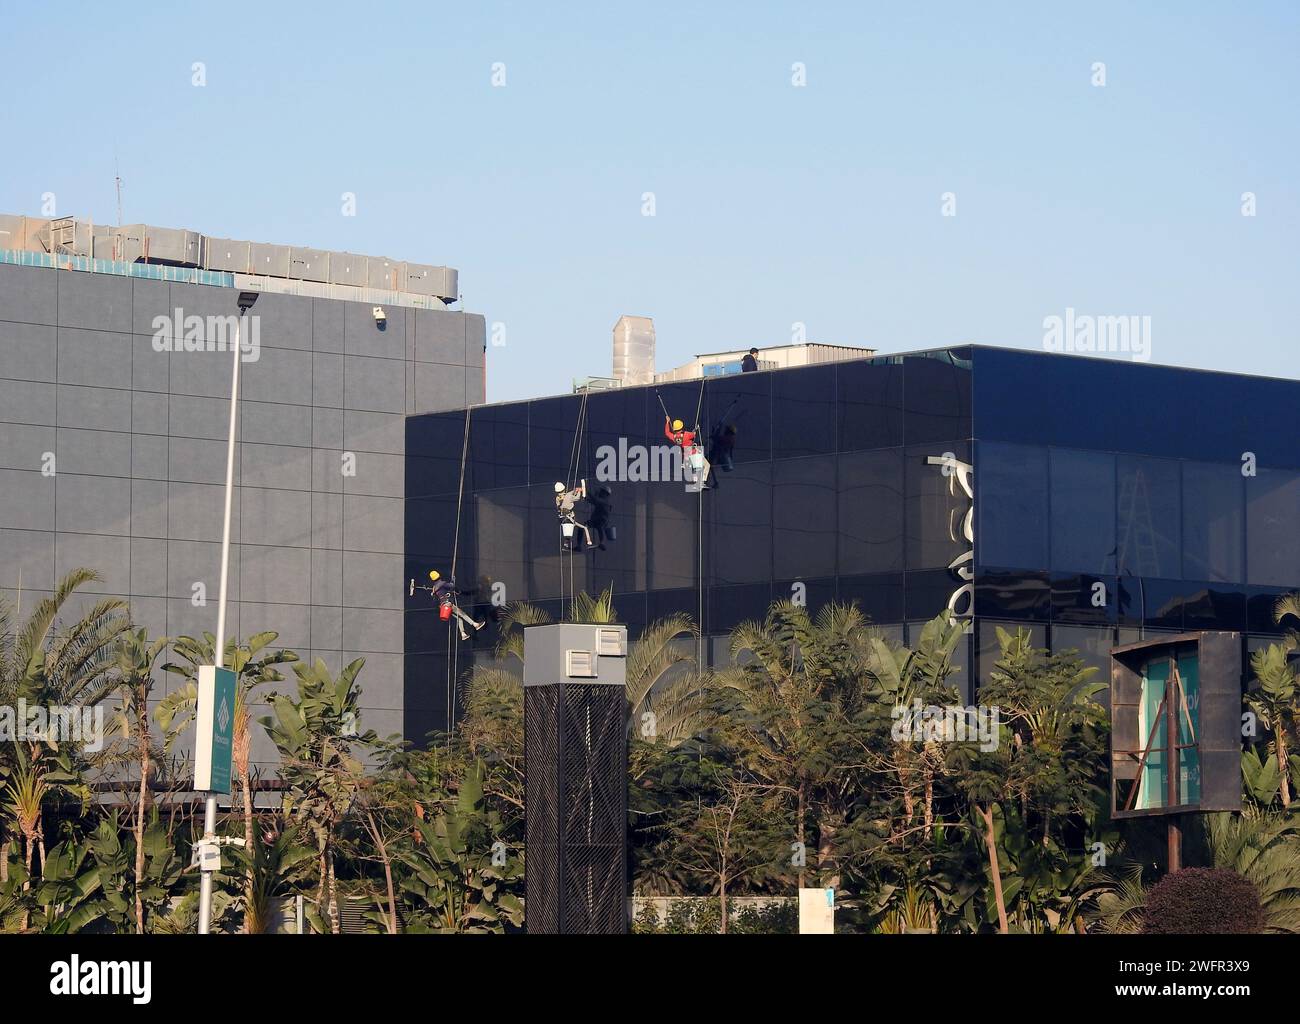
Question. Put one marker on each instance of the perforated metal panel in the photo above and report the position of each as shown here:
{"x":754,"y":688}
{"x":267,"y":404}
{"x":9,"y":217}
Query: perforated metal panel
{"x":594,"y":784}
{"x":575,"y":864}
{"x":541,"y":802}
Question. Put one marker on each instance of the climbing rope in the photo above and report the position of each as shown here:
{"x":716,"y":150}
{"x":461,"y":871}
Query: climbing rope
{"x":453,"y":663}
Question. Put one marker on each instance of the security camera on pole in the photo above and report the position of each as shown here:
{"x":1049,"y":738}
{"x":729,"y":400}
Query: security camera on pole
{"x":217,"y":684}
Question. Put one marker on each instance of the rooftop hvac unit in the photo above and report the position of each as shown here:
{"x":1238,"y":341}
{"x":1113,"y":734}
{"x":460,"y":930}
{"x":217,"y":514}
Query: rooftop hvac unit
{"x":63,"y":235}
{"x":634,"y":350}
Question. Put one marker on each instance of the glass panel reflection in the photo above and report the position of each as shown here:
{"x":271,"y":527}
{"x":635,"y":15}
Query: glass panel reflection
{"x":1214,"y":514}
{"x":1083,"y":511}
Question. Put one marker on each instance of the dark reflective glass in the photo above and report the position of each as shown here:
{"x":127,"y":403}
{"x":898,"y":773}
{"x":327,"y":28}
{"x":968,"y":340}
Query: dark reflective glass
{"x":803,"y":411}
{"x":1272,"y":537}
{"x":672,"y":554}
{"x":879,"y":596}
{"x":937,"y":396}
{"x":740,"y":510}
{"x":501,"y":519}
{"x":1060,"y":406}
{"x":803,"y":518}
{"x":1084,"y":599}
{"x":1207,"y":606}
{"x":1214,"y":514}
{"x":1155,"y":603}
{"x":1011,"y":505}
{"x":1268,"y":410}
{"x":433,"y":449}
{"x":632,"y":612}
{"x":430,"y":531}
{"x":871,"y":512}
{"x":869,"y":401}
{"x":426,"y":681}
{"x":730,"y":606}
{"x":1260,"y":605}
{"x":424,"y":631}
{"x":498,"y":442}
{"x":1013,"y":594}
{"x":1083,"y":511}
{"x":813,"y":594}
{"x":616,"y":423}
{"x":552,"y":430}
{"x":1214,"y":411}
{"x":926,"y":593}
{"x":1149,"y":516}
{"x":1163,"y":411}
{"x":678,"y":601}
{"x":739,"y":427}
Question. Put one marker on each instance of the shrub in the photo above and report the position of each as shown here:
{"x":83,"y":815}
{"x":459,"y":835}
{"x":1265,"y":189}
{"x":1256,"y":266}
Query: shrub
{"x":1203,"y":901}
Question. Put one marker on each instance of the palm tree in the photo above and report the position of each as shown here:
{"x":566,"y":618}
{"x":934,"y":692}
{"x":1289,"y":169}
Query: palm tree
{"x":26,"y":792}
{"x":315,"y":735}
{"x":1276,"y":703}
{"x":47,"y":662}
{"x":1263,"y":846}
{"x":137,"y":659}
{"x":798,"y":681}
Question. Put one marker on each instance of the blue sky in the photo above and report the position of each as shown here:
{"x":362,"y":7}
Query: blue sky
{"x":774,"y":204}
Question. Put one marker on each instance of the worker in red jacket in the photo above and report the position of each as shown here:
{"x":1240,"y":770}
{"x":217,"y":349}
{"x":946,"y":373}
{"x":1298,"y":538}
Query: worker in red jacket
{"x":676,"y":432}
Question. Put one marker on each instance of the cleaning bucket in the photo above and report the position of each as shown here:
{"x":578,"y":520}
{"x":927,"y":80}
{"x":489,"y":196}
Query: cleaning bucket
{"x":444,"y":611}
{"x":567,"y":530}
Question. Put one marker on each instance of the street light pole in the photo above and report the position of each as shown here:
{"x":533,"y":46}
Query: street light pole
{"x":246,"y":300}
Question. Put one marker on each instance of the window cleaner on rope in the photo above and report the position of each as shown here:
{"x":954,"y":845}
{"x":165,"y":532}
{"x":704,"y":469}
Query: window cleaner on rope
{"x":444,"y":592}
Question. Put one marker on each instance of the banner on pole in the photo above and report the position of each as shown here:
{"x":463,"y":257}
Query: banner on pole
{"x":216,"y":728}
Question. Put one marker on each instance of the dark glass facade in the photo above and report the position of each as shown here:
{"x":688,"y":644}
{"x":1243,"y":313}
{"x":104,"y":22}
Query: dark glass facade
{"x":1107,"y":501}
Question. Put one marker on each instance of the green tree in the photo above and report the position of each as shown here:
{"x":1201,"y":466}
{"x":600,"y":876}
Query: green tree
{"x":1275,"y":703}
{"x":315,"y":736}
{"x":786,"y":706}
{"x":459,"y":875}
{"x":51,"y":663}
{"x":725,"y":835}
{"x":137,"y":656}
{"x":1045,"y":770}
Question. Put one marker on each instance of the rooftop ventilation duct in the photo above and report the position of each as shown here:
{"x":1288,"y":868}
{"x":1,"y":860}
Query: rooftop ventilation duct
{"x":634,"y":350}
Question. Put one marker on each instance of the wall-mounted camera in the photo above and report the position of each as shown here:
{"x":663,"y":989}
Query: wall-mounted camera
{"x":381,"y":318}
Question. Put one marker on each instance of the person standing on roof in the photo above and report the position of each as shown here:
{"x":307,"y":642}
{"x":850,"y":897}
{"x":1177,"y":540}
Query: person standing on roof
{"x":750,"y":363}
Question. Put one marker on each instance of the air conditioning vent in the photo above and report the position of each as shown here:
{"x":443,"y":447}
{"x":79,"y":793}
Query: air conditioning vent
{"x":580,"y":664}
{"x":610,"y":642}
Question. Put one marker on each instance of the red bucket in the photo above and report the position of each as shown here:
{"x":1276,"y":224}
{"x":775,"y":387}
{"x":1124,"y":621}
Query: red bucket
{"x":444,"y":611}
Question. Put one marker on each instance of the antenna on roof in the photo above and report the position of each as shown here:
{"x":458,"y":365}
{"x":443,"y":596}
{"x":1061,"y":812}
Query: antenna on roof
{"x":118,"y":181}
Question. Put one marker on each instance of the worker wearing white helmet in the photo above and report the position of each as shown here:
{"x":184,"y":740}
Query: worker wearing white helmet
{"x":566,"y":502}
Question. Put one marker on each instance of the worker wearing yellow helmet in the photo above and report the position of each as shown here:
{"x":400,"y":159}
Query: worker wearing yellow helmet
{"x":676,"y":432}
{"x":444,"y":591}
